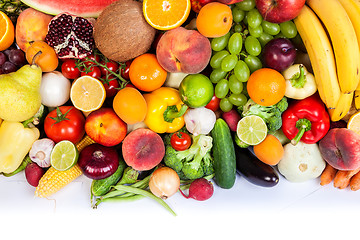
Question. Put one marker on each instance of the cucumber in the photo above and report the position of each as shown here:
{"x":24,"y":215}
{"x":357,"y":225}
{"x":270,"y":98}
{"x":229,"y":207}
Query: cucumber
{"x":102,"y":186}
{"x":224,"y":155}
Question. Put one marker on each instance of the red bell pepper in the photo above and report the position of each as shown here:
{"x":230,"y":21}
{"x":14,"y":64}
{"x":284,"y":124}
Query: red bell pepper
{"x":306,"y":120}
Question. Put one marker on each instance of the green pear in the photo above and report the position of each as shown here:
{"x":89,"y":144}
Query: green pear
{"x":20,"y":97}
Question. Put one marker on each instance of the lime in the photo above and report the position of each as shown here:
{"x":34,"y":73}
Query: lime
{"x":64,"y":155}
{"x":196,"y":90}
{"x":251,"y":130}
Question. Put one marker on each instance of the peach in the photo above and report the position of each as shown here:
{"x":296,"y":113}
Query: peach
{"x":341,"y":149}
{"x":182,"y":50}
{"x":32,"y":25}
{"x":105,"y":127}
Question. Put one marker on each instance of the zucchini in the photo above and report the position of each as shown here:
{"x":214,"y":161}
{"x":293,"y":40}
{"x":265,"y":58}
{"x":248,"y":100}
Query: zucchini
{"x":253,"y":170}
{"x":224,"y":155}
{"x":103,"y":186}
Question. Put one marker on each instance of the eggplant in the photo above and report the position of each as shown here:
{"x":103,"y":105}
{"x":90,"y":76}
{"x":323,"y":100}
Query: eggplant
{"x":254,"y":170}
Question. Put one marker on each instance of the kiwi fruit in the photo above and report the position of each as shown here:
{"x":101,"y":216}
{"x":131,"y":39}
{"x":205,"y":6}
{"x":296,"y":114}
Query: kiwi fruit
{"x":121,"y":32}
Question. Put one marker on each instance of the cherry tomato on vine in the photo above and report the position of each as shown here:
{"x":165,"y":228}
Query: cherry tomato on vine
{"x":91,"y":58}
{"x":111,"y":65}
{"x":65,"y":123}
{"x":94,"y":71}
{"x":69,"y":69}
{"x":180,"y":141}
{"x":214,"y":103}
{"x":111,"y":86}
{"x":125,"y":71}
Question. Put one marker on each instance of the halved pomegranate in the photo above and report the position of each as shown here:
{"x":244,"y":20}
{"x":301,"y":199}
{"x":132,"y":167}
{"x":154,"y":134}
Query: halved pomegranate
{"x":71,"y":36}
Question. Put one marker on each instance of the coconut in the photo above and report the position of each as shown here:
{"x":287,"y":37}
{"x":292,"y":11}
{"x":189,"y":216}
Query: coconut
{"x":121,"y":32}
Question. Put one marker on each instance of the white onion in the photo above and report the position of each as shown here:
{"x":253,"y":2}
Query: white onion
{"x":54,"y":89}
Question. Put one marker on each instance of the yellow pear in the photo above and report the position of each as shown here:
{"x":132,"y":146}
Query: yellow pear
{"x":20,"y":97}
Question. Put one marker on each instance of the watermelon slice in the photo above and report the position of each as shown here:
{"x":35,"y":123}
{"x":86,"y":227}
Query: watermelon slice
{"x":82,"y":8}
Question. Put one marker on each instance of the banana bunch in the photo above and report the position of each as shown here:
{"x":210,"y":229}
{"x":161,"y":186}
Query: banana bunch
{"x":330,"y":30}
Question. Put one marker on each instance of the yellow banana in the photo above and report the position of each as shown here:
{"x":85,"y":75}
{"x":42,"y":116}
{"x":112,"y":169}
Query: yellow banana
{"x":357,"y":99}
{"x":321,"y":56}
{"x":344,"y":41}
{"x":342,"y":107}
{"x":352,"y":8}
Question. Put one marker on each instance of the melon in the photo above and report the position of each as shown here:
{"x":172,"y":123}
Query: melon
{"x":82,"y":8}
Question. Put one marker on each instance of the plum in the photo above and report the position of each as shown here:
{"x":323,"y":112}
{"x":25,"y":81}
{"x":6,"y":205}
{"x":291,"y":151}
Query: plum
{"x":143,"y":149}
{"x":279,"y":54}
{"x":341,"y":149}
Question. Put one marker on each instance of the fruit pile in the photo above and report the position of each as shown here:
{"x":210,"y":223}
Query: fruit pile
{"x":160,"y":97}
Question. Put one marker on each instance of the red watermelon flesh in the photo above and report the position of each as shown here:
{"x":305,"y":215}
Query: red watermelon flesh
{"x":82,"y":8}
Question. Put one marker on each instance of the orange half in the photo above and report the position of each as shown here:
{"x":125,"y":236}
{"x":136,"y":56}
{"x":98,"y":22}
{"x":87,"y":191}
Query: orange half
{"x":7,"y":31}
{"x":166,"y":14}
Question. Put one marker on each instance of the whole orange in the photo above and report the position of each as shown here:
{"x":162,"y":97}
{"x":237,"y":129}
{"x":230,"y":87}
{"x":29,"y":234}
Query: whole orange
{"x":266,"y":86}
{"x":214,"y":20}
{"x":146,"y":74}
{"x":130,"y":105}
{"x":269,"y":151}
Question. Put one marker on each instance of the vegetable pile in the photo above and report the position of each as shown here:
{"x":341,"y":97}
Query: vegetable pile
{"x":146,"y":109}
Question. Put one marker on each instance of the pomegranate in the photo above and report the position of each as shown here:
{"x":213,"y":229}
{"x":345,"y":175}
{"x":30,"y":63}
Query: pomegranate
{"x":71,"y":36}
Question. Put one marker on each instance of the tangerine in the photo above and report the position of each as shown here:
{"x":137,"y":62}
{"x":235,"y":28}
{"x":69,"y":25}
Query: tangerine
{"x":269,"y":151}
{"x":146,"y":74}
{"x":266,"y":86}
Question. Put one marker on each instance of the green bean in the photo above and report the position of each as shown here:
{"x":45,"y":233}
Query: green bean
{"x":146,"y":194}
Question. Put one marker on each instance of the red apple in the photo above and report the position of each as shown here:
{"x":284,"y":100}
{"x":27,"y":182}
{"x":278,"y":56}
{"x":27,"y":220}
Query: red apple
{"x":196,"y":5}
{"x":278,"y":11}
{"x":105,"y":127}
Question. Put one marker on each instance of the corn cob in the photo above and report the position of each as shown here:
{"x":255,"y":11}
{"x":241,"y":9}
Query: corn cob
{"x":54,"y":180}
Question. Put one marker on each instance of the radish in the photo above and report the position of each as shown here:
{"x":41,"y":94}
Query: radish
{"x":200,"y":189}
{"x":231,"y":118}
{"x":33,"y":173}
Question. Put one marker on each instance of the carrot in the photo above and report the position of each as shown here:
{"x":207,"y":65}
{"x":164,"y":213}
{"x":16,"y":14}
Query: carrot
{"x":327,"y":175}
{"x":355,"y":182}
{"x":342,"y":178}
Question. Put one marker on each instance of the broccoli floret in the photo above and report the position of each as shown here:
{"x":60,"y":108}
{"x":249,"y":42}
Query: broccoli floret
{"x":283,"y":104}
{"x":208,"y":166}
{"x":171,"y":159}
{"x":191,"y":161}
{"x":270,"y":114}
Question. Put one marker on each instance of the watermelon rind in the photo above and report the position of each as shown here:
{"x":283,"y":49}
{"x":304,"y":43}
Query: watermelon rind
{"x":82,"y":8}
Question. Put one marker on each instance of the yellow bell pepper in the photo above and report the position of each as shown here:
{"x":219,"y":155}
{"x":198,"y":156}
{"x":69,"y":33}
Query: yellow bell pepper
{"x":165,"y":110}
{"x":15,"y":143}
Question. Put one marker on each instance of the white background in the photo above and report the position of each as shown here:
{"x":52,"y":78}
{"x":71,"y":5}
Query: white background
{"x":286,"y":211}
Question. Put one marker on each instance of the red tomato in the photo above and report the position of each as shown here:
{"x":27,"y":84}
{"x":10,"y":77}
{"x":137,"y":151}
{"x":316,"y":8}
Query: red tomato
{"x":213,"y":104}
{"x":111,"y":86}
{"x":180,"y":141}
{"x":91,"y":60}
{"x":65,"y":123}
{"x":111,"y":65}
{"x":124,"y":71}
{"x":94,"y":71}
{"x":69,"y":69}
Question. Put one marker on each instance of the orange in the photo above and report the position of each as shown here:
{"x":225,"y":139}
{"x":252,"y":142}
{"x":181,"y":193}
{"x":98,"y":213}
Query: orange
{"x":354,"y":123}
{"x":146,"y":74}
{"x":266,"y":86}
{"x":7,"y":31}
{"x":130,"y":105}
{"x":214,"y":20}
{"x":87,"y":93}
{"x":269,"y":151}
{"x":166,"y":14}
{"x":47,"y":60}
